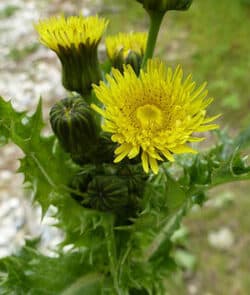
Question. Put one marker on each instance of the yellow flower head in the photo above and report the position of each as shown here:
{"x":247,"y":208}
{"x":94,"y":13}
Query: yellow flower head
{"x":75,"y":40}
{"x":153,"y":115}
{"x":57,"y":32}
{"x":125,"y":43}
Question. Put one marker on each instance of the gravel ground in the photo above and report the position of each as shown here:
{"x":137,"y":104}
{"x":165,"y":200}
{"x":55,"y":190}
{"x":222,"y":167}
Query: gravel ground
{"x":27,"y":71}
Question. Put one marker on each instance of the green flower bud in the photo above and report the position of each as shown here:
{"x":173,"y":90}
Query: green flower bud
{"x":73,"y":123}
{"x":126,"y":49}
{"x":165,"y":5}
{"x":105,"y":149}
{"x":107,"y":193}
{"x":132,"y":58}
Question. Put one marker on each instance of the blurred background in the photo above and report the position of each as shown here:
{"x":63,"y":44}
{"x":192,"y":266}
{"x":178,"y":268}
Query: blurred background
{"x":211,"y":40}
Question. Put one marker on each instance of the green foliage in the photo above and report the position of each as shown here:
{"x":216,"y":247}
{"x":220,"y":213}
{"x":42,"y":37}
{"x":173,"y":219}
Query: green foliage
{"x":123,"y":226}
{"x":30,"y":272}
{"x":225,"y":162}
{"x":41,"y":153}
{"x":113,"y":253}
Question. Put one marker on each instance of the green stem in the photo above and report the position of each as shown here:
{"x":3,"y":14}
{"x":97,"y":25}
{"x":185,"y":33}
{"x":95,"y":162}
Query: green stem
{"x":111,"y":247}
{"x":155,"y":24}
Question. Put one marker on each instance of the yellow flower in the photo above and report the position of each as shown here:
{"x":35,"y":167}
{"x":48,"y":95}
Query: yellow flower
{"x":153,"y":115}
{"x":60,"y":32}
{"x":126,"y":49}
{"x":75,"y":40}
{"x":125,"y":43}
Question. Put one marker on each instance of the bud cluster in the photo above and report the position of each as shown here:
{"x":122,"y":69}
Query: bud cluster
{"x":102,"y":185}
{"x":110,"y":187}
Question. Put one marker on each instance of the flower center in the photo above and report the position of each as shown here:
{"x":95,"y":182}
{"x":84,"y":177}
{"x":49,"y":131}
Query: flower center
{"x":149,"y":115}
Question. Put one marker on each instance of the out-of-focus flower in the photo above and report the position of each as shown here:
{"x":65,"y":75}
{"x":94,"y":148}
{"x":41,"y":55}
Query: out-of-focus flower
{"x":153,"y":115}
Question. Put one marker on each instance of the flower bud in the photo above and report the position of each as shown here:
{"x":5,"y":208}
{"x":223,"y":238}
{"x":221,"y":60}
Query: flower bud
{"x":135,"y":60}
{"x":126,"y":49}
{"x":107,"y":193}
{"x":165,"y":5}
{"x":105,"y":148}
{"x":75,"y":40}
{"x":73,"y":123}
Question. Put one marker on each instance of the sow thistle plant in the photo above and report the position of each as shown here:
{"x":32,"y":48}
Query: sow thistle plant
{"x":120,"y":168}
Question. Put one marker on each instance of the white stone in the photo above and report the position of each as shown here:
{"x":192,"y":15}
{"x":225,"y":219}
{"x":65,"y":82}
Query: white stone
{"x":222,"y":239}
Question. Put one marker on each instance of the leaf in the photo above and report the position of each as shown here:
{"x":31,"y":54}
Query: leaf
{"x":234,"y":169}
{"x":175,"y":196}
{"x":223,"y":163}
{"x":146,"y":260}
{"x":48,"y":171}
{"x":231,"y":165}
{"x":30,"y":272}
{"x":42,"y":160}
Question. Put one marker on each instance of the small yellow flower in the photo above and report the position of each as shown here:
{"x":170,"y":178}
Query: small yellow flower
{"x":153,"y":115}
{"x":75,"y":40}
{"x":60,"y":32}
{"x":125,"y":43}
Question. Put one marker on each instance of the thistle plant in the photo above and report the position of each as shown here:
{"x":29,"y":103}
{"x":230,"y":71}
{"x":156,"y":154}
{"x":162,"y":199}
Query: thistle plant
{"x":119,"y":166}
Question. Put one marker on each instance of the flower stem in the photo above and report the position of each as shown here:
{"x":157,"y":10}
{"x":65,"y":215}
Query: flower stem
{"x":155,"y":24}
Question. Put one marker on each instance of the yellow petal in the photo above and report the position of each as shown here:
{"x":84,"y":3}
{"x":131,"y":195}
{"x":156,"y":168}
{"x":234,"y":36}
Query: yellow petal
{"x":199,"y":91}
{"x":154,"y":165}
{"x":182,"y":149}
{"x":207,"y":127}
{"x":122,"y":148}
{"x":120,"y":157}
{"x":98,"y":109}
{"x":168,"y":155}
{"x":210,"y":119}
{"x":134,"y":152}
{"x":196,"y":139}
{"x":144,"y":158}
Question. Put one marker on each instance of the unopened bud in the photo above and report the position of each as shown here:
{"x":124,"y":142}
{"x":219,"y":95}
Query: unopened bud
{"x":107,"y":193}
{"x":73,"y":123}
{"x":165,"y":5}
{"x":124,"y":49}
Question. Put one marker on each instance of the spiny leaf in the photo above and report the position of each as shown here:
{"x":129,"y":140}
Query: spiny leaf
{"x":30,"y":272}
{"x":45,"y":168}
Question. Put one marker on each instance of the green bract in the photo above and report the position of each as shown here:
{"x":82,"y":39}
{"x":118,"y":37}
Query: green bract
{"x":132,"y":58}
{"x":73,"y":61}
